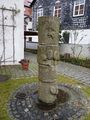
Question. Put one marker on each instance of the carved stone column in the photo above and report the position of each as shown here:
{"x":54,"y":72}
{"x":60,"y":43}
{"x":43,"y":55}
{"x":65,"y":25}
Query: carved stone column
{"x":48,"y":55}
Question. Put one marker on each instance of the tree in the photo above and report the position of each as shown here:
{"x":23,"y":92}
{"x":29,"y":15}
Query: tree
{"x":73,"y":48}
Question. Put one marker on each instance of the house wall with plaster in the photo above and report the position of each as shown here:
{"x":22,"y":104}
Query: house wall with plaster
{"x":11,"y":38}
{"x":79,"y":43}
{"x":76,"y":50}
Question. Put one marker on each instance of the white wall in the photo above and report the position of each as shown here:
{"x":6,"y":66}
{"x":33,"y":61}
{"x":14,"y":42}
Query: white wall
{"x":82,"y":34}
{"x":83,"y":50}
{"x":19,"y":31}
{"x":79,"y":40}
{"x":31,"y":45}
{"x":29,"y":26}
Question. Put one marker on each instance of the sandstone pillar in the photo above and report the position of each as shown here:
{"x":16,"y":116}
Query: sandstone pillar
{"x":48,"y":55}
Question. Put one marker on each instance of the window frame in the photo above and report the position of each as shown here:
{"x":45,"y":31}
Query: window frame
{"x":79,"y":4}
{"x":58,"y":9}
{"x":39,"y":12}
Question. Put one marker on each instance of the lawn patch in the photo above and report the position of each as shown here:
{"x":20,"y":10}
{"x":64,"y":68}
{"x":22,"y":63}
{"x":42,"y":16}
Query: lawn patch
{"x":8,"y":87}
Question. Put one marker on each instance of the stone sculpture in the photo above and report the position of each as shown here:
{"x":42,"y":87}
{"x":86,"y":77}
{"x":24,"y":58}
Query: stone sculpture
{"x":48,"y":55}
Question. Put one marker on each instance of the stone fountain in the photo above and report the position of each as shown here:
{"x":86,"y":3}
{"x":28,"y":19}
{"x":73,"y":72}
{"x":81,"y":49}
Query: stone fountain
{"x":47,"y":100}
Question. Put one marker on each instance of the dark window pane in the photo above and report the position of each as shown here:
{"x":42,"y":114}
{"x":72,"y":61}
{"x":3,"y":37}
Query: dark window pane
{"x":76,"y":8}
{"x":30,"y":38}
{"x":76,"y":12}
{"x":55,"y":7}
{"x":58,"y":15}
{"x":55,"y":11}
{"x":59,"y":11}
{"x":81,"y":6}
{"x":81,"y":12}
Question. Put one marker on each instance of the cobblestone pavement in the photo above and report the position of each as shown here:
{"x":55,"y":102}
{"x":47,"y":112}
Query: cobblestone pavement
{"x":16,"y":71}
{"x":76,"y":72}
{"x":24,"y":104}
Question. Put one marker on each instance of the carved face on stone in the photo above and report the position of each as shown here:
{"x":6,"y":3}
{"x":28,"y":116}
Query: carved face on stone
{"x":47,"y":54}
{"x":51,"y":32}
{"x":53,"y":53}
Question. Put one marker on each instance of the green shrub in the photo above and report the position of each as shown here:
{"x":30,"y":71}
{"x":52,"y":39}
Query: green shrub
{"x":76,"y":61}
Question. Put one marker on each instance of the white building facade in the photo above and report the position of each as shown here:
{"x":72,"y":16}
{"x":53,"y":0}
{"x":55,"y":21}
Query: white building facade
{"x":11,"y":31}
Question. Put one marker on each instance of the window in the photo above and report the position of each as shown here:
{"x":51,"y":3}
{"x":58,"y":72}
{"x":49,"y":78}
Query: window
{"x":30,"y":39}
{"x":79,"y":6}
{"x":57,"y":9}
{"x":39,"y":12}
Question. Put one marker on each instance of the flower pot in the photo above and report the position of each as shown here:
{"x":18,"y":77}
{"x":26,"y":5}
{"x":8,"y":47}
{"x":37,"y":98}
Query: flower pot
{"x":25,"y":66}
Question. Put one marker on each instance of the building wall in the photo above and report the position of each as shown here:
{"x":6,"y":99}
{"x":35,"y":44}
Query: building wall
{"x":26,"y":2}
{"x":18,"y":47}
{"x":83,"y":36}
{"x":79,"y":24}
{"x":27,"y":14}
{"x":81,"y":51}
{"x":32,"y":45}
{"x":29,"y":26}
{"x":34,"y":14}
{"x":78,"y":36}
{"x":27,"y":11}
{"x":48,"y":9}
{"x":69,"y":21}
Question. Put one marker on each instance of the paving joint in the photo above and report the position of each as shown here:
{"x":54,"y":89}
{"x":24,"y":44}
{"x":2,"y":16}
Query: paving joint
{"x":77,"y":72}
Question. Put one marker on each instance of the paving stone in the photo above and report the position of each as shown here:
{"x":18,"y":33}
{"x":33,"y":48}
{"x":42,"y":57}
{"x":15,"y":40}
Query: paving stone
{"x":26,"y":109}
{"x":76,"y":72}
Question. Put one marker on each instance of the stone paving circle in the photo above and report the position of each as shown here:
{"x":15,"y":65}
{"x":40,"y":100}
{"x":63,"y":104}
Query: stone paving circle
{"x":22,"y":104}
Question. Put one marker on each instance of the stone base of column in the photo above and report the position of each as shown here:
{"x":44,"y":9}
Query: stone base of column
{"x":46,"y":106}
{"x":47,"y":92}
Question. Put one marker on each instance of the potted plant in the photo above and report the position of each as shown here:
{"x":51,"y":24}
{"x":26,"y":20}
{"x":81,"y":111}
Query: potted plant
{"x":24,"y":63}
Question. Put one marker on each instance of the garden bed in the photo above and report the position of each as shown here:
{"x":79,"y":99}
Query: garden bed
{"x":76,"y":61}
{"x":8,"y":87}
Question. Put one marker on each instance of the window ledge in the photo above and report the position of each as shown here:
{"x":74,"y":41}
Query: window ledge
{"x":78,"y":15}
